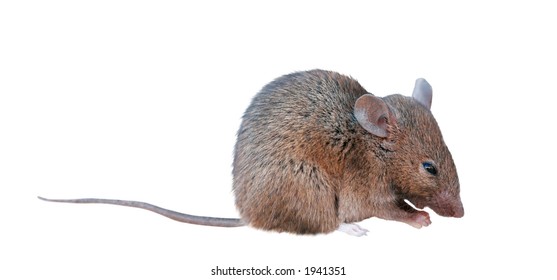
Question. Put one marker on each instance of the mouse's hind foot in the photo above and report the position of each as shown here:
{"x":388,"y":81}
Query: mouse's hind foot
{"x":352,"y":229}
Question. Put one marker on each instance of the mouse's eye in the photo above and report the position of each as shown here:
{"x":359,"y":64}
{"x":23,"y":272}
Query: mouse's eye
{"x":429,"y":167}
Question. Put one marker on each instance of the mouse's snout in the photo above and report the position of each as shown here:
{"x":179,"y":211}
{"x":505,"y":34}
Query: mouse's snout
{"x":456,"y":211}
{"x":459,"y":213}
{"x":448,"y":205}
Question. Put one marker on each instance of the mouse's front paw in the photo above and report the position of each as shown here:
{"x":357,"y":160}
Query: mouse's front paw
{"x":419,"y":219}
{"x":352,"y":229}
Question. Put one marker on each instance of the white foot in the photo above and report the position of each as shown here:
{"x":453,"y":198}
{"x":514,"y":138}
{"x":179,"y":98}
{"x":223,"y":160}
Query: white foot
{"x":352,"y":229}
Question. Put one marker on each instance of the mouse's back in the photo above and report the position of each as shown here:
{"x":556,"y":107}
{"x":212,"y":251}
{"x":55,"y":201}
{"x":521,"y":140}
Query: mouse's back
{"x":288,"y":156}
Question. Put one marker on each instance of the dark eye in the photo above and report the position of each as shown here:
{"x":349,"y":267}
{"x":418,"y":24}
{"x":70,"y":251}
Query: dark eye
{"x":429,"y":167}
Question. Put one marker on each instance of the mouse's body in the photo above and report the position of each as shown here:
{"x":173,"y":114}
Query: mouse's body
{"x":316,"y":152}
{"x":304,"y":163}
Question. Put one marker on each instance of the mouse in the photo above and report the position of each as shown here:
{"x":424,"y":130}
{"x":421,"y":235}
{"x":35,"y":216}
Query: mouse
{"x":316,"y":152}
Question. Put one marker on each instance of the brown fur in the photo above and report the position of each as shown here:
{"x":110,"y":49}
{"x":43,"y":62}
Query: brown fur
{"x":303,"y":164}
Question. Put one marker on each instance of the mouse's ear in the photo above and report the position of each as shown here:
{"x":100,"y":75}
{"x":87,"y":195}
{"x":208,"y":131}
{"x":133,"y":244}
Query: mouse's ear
{"x":423,"y":92}
{"x":372,"y":114}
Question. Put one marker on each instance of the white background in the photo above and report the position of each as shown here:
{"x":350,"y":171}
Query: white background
{"x":142,"y":100}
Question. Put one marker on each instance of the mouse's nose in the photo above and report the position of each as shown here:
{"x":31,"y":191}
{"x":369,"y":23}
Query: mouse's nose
{"x":458,"y":211}
{"x":458,"y":208}
{"x":448,"y":205}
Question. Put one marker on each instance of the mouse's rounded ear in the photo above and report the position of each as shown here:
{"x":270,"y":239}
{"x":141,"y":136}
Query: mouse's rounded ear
{"x":372,"y":114}
{"x":423,"y":93}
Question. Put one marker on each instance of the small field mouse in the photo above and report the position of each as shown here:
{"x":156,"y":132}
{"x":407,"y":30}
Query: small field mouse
{"x":316,"y":152}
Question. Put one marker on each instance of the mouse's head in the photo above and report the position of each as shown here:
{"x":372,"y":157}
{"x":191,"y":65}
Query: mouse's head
{"x":420,"y":166}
